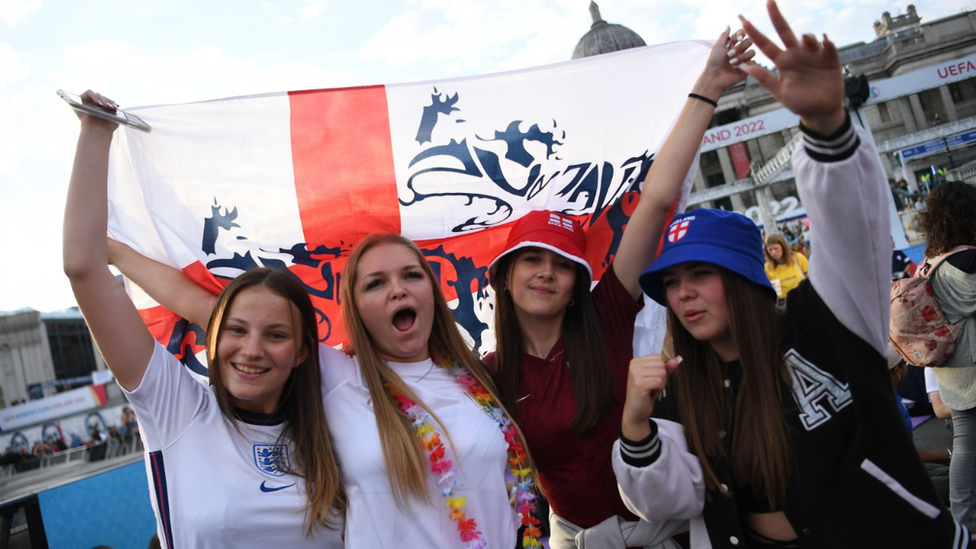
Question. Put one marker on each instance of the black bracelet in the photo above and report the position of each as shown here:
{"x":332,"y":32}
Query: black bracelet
{"x":705,"y":99}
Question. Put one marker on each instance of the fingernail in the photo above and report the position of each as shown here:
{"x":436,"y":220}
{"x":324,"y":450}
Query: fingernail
{"x":679,"y":359}
{"x":733,"y":61}
{"x":732,"y":52}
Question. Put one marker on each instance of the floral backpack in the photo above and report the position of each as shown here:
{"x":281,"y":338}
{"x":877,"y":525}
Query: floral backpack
{"x":919,"y":330}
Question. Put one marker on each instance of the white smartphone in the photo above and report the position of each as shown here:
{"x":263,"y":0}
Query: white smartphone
{"x":118,"y":115}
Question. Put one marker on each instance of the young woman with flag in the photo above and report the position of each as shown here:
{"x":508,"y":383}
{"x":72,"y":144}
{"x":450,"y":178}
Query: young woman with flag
{"x":791,"y":415}
{"x":562,"y":350}
{"x":247,"y":460}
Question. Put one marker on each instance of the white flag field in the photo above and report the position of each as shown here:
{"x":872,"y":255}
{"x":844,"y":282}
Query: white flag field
{"x":294,"y":179}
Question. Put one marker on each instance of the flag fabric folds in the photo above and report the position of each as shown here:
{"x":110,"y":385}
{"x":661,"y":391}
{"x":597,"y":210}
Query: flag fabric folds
{"x":295,"y":179}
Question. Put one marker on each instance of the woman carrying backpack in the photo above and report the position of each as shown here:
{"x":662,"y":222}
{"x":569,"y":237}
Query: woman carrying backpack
{"x":949,"y":221}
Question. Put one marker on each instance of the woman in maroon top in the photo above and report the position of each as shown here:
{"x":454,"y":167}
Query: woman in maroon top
{"x":563,"y":351}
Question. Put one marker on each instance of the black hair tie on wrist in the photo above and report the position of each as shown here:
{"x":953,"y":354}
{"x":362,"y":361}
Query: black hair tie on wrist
{"x":703,"y":98}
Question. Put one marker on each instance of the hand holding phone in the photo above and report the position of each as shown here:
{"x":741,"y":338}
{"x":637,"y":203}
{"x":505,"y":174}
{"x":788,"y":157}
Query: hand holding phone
{"x":118,"y":115}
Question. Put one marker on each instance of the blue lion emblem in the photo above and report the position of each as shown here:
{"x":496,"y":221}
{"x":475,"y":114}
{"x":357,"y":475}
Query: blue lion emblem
{"x":271,"y":459}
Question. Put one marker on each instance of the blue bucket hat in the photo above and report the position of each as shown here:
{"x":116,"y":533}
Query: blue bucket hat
{"x":727,"y":239}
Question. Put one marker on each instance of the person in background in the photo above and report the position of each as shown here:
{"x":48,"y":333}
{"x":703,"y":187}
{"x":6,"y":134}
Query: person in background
{"x":936,"y":461}
{"x":784,"y":267}
{"x":948,"y":222}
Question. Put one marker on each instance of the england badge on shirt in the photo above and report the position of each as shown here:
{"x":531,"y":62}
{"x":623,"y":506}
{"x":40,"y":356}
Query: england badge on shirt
{"x":271,"y":459}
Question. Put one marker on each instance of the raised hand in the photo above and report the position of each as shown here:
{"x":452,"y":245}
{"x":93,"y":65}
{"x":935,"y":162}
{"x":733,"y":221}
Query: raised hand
{"x":646,"y":378}
{"x":723,"y":67}
{"x":101,"y":101}
{"x":809,"y":80}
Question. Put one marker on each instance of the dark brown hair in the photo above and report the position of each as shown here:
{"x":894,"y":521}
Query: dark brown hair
{"x":760,"y":451}
{"x":405,"y":459}
{"x":949,"y":217}
{"x":586,"y":350}
{"x":301,"y":397}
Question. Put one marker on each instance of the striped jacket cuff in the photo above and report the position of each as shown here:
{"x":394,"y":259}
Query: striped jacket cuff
{"x":643,"y":452}
{"x":838,"y":146}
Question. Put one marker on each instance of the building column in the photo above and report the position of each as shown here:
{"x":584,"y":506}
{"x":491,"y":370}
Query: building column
{"x":917,"y":112}
{"x":906,"y":114}
{"x":728,"y":172}
{"x":950,"y":107}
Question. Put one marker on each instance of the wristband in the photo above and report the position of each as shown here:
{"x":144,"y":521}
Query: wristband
{"x":703,"y":98}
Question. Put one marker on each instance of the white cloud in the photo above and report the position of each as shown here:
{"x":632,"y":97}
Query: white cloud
{"x":13,"y":66}
{"x":12,"y":11}
{"x":312,"y":8}
{"x":206,"y":72}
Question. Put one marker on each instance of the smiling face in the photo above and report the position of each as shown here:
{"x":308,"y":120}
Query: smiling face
{"x":395,"y":301}
{"x":541,"y":283}
{"x":258,"y":346}
{"x":775,"y":251}
{"x":695,"y":293}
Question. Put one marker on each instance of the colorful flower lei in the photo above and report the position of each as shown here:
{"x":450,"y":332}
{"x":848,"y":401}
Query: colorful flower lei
{"x":443,"y":467}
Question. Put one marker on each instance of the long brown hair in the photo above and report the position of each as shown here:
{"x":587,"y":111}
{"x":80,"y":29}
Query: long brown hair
{"x":586,"y":350}
{"x":301,"y":397}
{"x":406,"y":461}
{"x":760,"y":451}
{"x":788,"y":256}
{"x":949,"y":217}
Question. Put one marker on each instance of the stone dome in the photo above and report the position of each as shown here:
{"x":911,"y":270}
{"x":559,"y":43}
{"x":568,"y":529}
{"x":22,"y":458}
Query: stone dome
{"x":605,"y":38}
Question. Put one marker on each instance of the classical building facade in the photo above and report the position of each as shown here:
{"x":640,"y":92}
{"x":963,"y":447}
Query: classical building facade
{"x":41,"y":353}
{"x":941,"y":55}
{"x":921,"y":111}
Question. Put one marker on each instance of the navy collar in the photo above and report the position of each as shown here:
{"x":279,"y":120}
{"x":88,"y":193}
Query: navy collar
{"x":255,"y":418}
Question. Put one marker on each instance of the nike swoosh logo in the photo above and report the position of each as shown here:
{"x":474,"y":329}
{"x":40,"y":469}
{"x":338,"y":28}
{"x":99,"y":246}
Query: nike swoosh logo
{"x":269,"y":489}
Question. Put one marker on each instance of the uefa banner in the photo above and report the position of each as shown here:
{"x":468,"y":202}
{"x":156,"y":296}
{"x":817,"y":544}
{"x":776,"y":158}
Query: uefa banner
{"x":295,"y":179}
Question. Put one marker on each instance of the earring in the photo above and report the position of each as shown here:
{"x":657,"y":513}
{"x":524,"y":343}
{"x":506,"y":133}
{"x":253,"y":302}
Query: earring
{"x":572,"y":302}
{"x":507,"y":290}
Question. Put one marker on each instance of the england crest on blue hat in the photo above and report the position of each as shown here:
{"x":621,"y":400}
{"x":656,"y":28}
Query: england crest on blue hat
{"x":269,"y":458}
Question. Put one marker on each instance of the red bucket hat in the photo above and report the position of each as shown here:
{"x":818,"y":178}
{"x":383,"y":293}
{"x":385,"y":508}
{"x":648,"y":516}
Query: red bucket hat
{"x":549,"y":230}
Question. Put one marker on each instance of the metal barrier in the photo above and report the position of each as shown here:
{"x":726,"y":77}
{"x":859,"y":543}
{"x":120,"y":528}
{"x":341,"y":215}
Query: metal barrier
{"x":107,"y":449}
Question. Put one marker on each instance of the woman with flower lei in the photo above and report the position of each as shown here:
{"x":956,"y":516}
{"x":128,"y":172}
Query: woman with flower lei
{"x":423,"y":444}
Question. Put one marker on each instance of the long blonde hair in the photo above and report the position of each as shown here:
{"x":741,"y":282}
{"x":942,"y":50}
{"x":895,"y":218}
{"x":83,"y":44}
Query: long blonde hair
{"x":406,"y":461}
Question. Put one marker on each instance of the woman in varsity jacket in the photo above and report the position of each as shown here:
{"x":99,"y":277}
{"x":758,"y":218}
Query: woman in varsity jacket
{"x":245,"y":461}
{"x":792,"y":416}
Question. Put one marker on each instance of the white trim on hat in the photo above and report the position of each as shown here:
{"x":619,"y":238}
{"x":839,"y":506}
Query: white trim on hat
{"x":534,"y":244}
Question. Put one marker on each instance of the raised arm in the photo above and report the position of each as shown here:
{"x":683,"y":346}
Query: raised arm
{"x":839,"y":178}
{"x":122,"y":338}
{"x":170,"y":287}
{"x":638,"y":246}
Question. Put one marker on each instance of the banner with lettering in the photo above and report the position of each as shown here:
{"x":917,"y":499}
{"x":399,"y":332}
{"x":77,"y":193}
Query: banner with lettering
{"x":294,"y":180}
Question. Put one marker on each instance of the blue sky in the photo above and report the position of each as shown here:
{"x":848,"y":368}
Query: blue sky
{"x":151,"y":52}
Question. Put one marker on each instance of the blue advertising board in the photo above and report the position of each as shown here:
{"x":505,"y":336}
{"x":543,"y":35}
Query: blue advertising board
{"x":933,"y":147}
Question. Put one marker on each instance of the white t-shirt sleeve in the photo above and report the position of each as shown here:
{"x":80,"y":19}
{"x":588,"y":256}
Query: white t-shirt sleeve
{"x":931,"y":384}
{"x":167,"y":400}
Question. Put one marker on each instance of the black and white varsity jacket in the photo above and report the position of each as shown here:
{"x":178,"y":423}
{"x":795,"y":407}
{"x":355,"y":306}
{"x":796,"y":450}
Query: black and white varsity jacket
{"x":855,"y":476}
